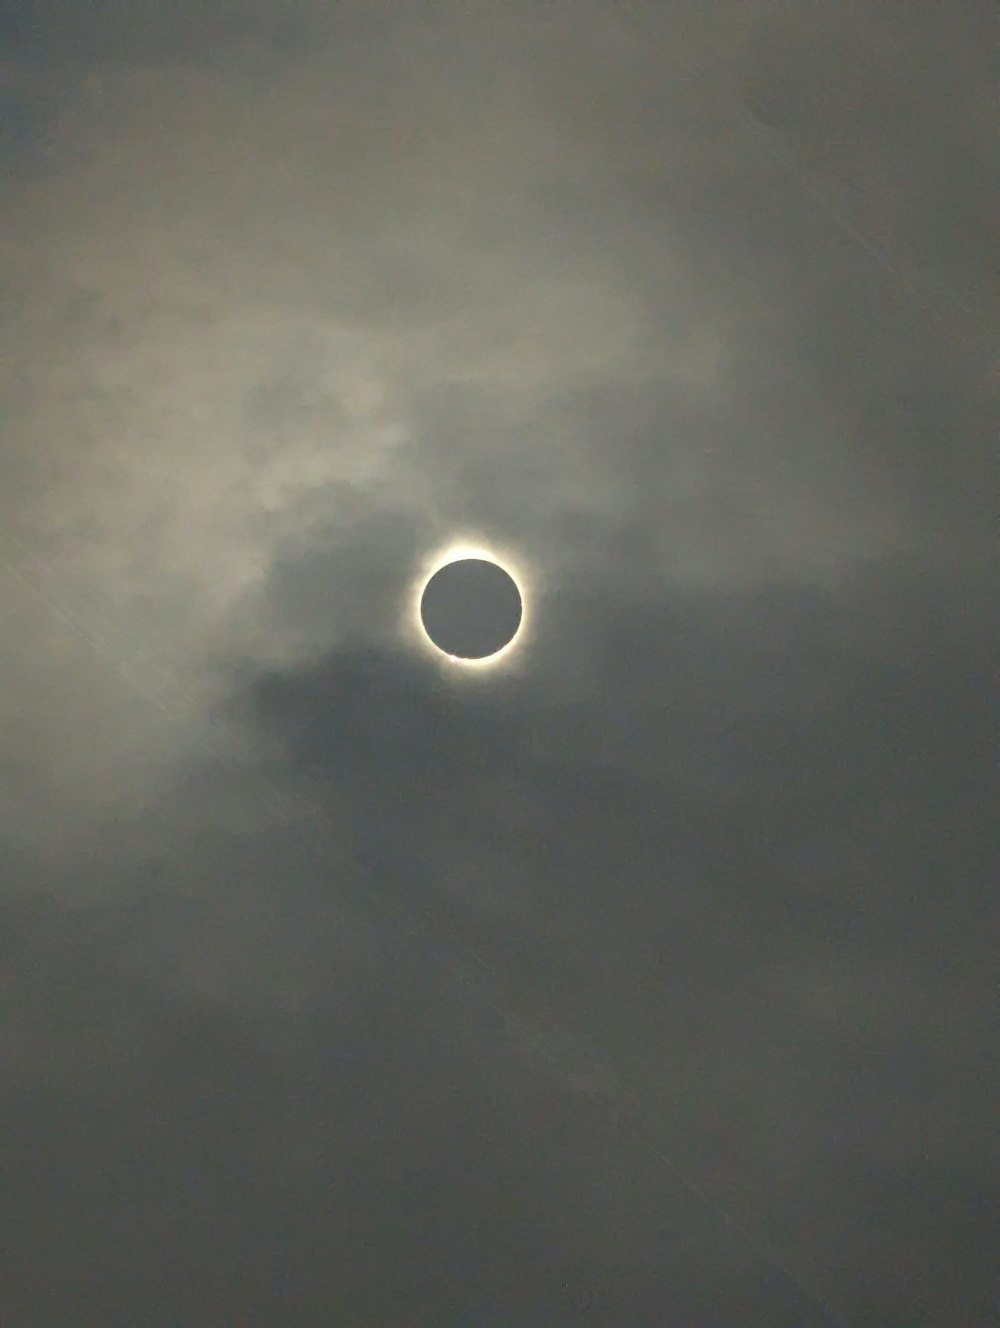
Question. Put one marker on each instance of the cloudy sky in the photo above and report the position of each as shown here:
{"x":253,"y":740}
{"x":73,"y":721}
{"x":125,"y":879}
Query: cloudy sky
{"x":643,"y":979}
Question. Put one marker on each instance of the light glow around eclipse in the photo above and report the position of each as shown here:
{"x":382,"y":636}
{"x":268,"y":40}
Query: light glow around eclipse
{"x":459,"y":552}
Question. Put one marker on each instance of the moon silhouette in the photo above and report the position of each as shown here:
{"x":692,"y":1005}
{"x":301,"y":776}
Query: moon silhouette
{"x":471,"y":609}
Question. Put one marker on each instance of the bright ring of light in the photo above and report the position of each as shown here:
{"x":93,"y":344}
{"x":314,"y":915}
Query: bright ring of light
{"x":453,"y":554}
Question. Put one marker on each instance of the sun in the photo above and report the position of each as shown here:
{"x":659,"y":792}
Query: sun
{"x":456,"y":552}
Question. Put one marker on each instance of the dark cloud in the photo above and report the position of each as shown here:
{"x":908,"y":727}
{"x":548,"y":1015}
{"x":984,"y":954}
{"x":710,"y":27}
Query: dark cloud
{"x":642,"y":979}
{"x":457,"y":1040}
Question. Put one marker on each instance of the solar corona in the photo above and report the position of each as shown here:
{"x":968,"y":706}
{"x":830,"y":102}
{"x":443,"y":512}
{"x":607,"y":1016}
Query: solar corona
{"x":468,"y":607}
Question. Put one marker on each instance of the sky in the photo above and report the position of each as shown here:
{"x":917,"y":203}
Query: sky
{"x":644,"y":978}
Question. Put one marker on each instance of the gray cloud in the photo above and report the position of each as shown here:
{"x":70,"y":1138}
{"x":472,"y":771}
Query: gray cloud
{"x":640,"y":980}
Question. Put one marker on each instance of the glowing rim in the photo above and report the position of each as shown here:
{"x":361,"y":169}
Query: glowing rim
{"x":452,"y":554}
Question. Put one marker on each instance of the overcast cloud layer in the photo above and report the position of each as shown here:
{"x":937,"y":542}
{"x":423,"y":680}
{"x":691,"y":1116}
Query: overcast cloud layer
{"x":643,"y":980}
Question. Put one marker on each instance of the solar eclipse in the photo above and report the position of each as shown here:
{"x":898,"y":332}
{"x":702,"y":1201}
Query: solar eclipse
{"x":470,"y":607}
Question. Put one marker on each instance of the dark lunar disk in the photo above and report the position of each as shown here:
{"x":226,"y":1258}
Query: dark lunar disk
{"x":471,"y":608}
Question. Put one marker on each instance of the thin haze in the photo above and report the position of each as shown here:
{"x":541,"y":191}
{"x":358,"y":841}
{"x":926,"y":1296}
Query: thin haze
{"x":643,"y":980}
